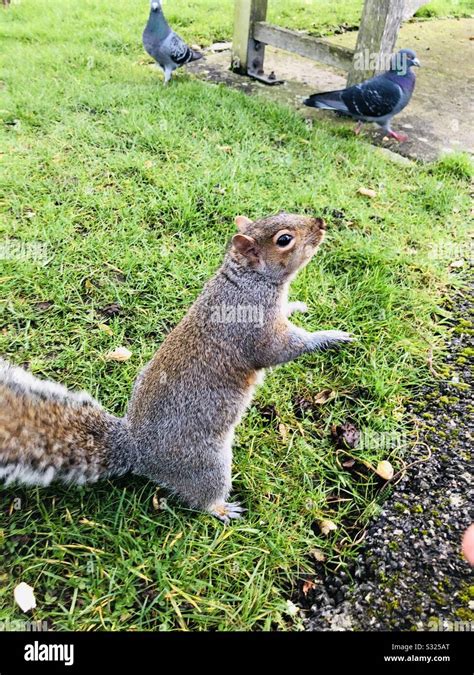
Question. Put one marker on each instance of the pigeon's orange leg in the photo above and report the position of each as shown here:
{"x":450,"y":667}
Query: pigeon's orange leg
{"x":401,"y":138}
{"x":358,"y":128}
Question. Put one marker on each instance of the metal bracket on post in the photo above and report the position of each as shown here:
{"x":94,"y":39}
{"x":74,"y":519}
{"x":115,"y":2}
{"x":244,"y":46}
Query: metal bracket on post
{"x":248,"y":54}
{"x":256,"y":56}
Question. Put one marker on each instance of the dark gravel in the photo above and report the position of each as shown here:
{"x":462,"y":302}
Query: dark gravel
{"x":410,"y":574}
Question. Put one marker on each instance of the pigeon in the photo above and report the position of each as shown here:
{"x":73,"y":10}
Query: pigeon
{"x":164,"y":45}
{"x":375,"y":100}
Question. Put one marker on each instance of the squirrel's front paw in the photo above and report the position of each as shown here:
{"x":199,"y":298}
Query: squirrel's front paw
{"x":326,"y":339}
{"x":227,"y":511}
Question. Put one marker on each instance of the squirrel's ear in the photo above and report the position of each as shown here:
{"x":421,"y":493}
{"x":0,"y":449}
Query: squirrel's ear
{"x":242,"y":222}
{"x":246,"y":246}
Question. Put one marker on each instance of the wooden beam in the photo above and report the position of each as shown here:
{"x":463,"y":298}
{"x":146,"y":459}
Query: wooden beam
{"x":246,"y":55}
{"x":304,"y":45}
{"x":380,"y":23}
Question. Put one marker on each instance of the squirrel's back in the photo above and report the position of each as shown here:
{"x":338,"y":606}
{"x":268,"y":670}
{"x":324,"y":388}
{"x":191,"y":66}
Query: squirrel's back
{"x":50,"y":433}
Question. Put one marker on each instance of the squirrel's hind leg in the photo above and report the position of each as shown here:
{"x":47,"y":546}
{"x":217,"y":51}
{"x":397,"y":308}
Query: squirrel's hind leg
{"x":226,"y":511}
{"x":204,"y":481}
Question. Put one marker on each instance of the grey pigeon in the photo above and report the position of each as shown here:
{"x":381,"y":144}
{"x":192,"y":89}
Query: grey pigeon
{"x":375,"y":100}
{"x":163,"y":44}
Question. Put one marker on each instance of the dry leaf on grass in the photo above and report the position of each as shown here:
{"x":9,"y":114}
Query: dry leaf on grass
{"x":323,"y":396}
{"x":24,"y":597}
{"x":327,"y":526}
{"x":385,"y":470}
{"x":367,"y":192}
{"x":349,"y":463}
{"x":86,"y":521}
{"x":345,"y":435}
{"x":308,"y":586}
{"x":119,"y":354}
{"x":283,"y":431}
{"x":105,"y":329}
{"x":318,"y":555}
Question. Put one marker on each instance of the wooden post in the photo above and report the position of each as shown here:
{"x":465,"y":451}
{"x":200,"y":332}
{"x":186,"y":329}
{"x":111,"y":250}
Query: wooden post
{"x":412,"y":6}
{"x":5,"y":3}
{"x":380,"y":23}
{"x":247,"y":54}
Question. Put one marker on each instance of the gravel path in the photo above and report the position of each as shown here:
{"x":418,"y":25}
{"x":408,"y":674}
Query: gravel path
{"x":410,"y":573}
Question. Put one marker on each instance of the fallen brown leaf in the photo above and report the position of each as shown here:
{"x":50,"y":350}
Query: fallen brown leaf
{"x":367,"y":192}
{"x":283,"y":431}
{"x":385,"y":470}
{"x":327,"y":526}
{"x":308,"y":586}
{"x":323,"y":396}
{"x":318,"y":555}
{"x":345,"y":435}
{"x":348,"y":464}
{"x":119,"y":354}
{"x":105,"y":329}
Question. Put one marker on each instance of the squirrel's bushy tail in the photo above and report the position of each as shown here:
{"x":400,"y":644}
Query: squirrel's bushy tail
{"x":50,"y":433}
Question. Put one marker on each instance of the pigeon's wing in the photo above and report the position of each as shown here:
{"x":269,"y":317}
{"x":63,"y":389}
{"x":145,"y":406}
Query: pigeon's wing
{"x":376,"y":97}
{"x":178,"y":50}
{"x":328,"y":100}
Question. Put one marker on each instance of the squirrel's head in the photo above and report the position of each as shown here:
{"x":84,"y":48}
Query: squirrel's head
{"x":277,"y":246}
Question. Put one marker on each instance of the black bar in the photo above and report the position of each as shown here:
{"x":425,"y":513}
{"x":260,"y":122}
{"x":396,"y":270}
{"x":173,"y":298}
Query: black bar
{"x":137,"y":653}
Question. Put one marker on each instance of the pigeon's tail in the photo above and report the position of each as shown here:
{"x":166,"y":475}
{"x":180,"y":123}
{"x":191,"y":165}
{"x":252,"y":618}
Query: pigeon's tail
{"x":196,"y":56}
{"x":328,"y":100}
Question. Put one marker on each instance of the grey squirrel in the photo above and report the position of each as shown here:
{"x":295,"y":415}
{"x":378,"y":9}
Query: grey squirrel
{"x":179,"y":426}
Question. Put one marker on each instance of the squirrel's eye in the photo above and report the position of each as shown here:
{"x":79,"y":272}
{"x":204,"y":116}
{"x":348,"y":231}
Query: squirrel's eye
{"x":284,"y":240}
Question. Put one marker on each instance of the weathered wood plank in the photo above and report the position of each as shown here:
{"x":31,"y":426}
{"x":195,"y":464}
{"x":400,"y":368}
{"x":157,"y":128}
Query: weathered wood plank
{"x":244,"y":55}
{"x":380,"y":23}
{"x":304,"y":45}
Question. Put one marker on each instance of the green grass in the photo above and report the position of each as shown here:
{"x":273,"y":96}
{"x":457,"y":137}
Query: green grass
{"x":207,"y":21}
{"x":133,"y":189}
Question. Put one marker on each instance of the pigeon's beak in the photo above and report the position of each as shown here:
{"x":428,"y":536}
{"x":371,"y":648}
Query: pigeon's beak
{"x":155,"y":6}
{"x":416,"y":63}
